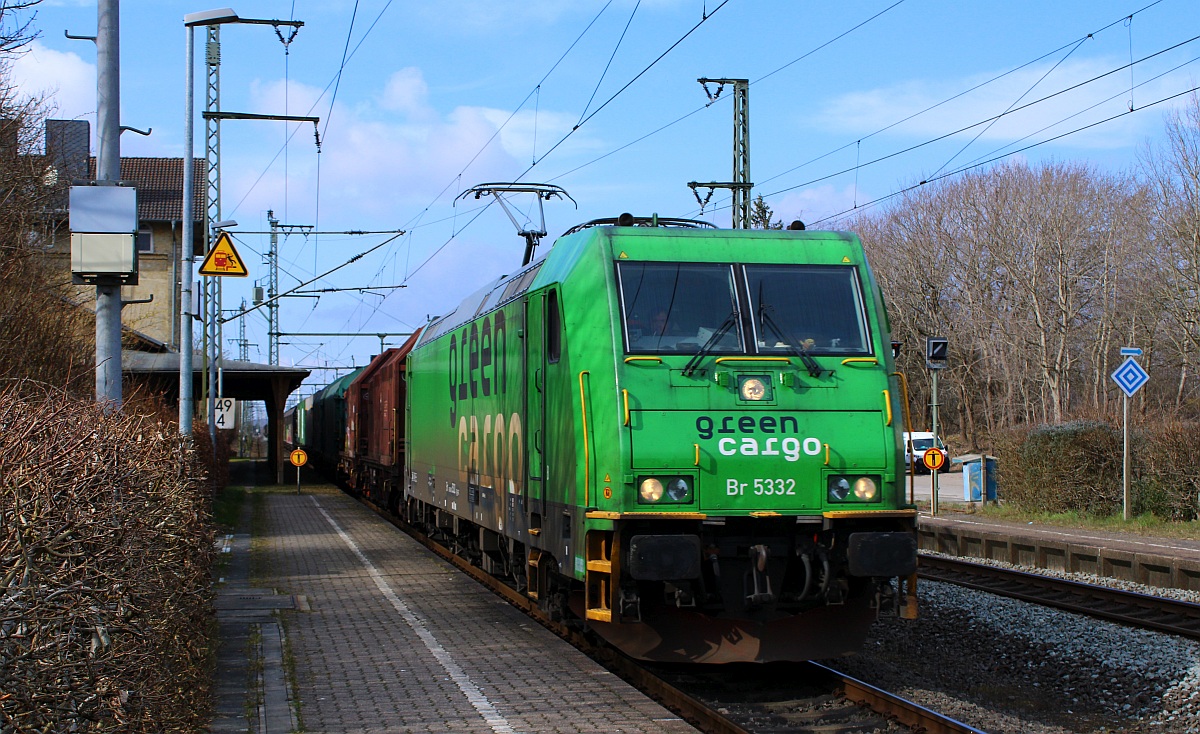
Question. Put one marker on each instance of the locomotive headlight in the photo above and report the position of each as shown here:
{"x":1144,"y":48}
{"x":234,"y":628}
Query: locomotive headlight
{"x":666,"y":490}
{"x":678,"y":489}
{"x":865,"y":489}
{"x":650,"y":490}
{"x":752,"y":388}
{"x":853,"y":489}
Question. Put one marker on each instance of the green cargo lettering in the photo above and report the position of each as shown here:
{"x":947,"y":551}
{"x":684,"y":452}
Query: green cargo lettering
{"x":477,"y":362}
{"x":493,"y":454}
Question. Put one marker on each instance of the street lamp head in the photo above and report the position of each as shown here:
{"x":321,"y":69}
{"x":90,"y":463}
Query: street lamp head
{"x":210,"y":17}
{"x":225,"y":224}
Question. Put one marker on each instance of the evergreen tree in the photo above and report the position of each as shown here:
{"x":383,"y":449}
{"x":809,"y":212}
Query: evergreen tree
{"x":760,"y":215}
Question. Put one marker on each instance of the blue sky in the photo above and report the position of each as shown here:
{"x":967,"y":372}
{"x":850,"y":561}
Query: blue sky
{"x":437,"y":97}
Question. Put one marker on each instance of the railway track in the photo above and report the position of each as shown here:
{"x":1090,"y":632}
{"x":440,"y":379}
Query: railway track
{"x":802,"y":698}
{"x":1127,"y":607}
{"x":880,"y":706}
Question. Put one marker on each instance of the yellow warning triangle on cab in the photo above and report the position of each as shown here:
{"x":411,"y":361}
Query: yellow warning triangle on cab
{"x":223,"y":259}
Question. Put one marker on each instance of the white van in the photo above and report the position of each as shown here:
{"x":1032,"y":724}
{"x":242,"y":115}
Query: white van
{"x":915,"y":448}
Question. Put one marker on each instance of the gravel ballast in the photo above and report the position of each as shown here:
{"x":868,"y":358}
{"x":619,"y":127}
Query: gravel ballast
{"x":1010,"y":667}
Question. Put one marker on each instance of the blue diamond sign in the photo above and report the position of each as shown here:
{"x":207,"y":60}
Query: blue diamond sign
{"x":1130,"y":377}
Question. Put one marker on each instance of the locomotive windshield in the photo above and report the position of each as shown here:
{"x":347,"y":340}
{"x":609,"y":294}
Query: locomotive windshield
{"x":811,"y":308}
{"x":790,"y":309}
{"x":678,"y":307}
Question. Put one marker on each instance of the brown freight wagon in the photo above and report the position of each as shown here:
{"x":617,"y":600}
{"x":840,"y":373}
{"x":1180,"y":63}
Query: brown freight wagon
{"x":372,"y":460}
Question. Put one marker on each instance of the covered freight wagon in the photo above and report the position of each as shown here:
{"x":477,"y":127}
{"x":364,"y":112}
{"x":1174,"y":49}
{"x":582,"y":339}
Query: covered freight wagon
{"x":328,"y":418}
{"x":372,"y":457}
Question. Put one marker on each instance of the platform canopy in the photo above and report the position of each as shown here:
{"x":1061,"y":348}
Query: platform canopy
{"x":158,"y":373}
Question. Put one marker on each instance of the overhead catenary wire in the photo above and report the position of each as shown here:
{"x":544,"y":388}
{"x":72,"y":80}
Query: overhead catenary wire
{"x":626,"y":86}
{"x":608,"y":65}
{"x":966,"y":91}
{"x":572,"y":131}
{"x":859,"y":164}
{"x":458,"y":178}
{"x":979,"y":164}
{"x":984,"y":121}
{"x":425,"y":221}
{"x":981,"y":161}
{"x":1132,"y":86}
{"x":576,"y":127}
{"x":519,"y":107}
{"x":335,"y":83}
{"x":354,"y":259}
{"x":1014,"y":104}
{"x":836,"y":38}
{"x":336,"y":79}
{"x":313,"y":106}
{"x":709,"y":104}
{"x":325,"y":133}
{"x":1023,"y":138}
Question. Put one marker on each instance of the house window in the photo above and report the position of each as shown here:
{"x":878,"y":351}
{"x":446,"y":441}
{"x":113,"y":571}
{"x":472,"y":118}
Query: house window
{"x":145,"y":240}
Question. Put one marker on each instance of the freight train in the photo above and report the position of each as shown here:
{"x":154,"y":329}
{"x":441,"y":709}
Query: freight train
{"x":683,"y":438}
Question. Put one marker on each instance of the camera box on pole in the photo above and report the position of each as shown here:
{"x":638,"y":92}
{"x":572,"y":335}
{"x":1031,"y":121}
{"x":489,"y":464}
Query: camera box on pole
{"x":103,"y":231}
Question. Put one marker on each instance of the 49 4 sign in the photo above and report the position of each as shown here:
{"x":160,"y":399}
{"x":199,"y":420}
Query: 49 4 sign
{"x":225,"y":413}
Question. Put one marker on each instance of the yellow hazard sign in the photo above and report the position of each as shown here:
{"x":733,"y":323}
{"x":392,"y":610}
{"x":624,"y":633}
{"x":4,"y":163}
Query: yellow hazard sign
{"x":223,"y":259}
{"x":934,"y":459}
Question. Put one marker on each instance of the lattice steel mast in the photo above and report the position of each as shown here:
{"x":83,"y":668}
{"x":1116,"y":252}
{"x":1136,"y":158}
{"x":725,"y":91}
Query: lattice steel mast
{"x":740,"y":185}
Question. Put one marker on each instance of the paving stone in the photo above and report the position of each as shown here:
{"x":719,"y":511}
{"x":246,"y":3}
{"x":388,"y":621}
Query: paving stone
{"x":396,"y":640}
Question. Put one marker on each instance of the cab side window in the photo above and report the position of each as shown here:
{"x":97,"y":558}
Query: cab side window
{"x":553,"y":328}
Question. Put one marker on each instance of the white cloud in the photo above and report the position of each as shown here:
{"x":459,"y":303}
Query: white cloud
{"x":406,"y":93}
{"x":871,"y":110}
{"x":67,"y":78}
{"x":528,"y":133}
{"x":380,"y":160}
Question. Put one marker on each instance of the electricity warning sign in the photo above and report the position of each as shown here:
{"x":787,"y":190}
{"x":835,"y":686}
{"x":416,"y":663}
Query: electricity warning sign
{"x":223,"y":259}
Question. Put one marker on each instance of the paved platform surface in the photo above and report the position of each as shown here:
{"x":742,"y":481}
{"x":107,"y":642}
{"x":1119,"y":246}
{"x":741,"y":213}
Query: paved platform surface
{"x":396,"y":640}
{"x":957,"y":530}
{"x":251,"y":687}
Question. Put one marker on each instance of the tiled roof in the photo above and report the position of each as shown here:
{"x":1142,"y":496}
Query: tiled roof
{"x":159,"y":184}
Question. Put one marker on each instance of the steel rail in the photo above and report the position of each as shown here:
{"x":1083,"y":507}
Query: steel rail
{"x":910,"y":714}
{"x":1127,"y":607}
{"x":691,"y":709}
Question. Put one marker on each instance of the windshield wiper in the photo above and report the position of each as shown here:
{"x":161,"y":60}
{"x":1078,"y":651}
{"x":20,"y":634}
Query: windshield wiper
{"x":694,"y":363}
{"x":764,"y":318}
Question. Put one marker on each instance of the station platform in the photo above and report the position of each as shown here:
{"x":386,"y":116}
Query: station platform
{"x":383,"y":636}
{"x":956,"y":531}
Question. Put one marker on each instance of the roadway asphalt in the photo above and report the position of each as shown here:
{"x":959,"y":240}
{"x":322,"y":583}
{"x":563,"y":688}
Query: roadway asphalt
{"x":950,"y":488}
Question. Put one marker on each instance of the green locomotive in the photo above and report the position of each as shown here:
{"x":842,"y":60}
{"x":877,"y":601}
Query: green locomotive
{"x":686,"y":438}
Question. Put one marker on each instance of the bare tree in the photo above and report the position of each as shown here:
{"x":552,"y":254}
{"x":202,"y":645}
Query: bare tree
{"x":16,"y":26}
{"x":1026,"y":271}
{"x":42,"y":335}
{"x":1173,"y":173}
